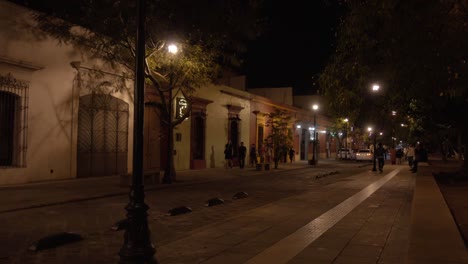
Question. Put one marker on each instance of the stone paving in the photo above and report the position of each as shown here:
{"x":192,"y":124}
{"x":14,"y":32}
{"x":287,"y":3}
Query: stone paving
{"x":376,"y":231}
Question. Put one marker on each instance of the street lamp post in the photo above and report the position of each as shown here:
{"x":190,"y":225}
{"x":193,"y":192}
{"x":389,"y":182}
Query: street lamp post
{"x":137,"y":247}
{"x":373,"y":151}
{"x":373,"y":159}
{"x":346,"y":137}
{"x":168,"y":174}
{"x":375,"y":88}
{"x":393,"y":128}
{"x":314,"y":149}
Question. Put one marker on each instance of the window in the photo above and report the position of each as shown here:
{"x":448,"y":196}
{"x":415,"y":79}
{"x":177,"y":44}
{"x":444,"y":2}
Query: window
{"x":13,"y":121}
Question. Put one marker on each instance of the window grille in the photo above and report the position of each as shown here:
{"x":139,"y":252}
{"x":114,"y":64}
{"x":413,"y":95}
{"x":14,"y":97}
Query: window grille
{"x":13,"y":121}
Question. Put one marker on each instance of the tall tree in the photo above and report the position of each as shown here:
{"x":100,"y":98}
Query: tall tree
{"x":414,"y":49}
{"x":281,"y":134}
{"x":210,"y":36}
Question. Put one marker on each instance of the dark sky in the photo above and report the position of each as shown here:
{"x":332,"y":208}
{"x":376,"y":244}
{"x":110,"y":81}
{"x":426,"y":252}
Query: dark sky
{"x":299,"y":40}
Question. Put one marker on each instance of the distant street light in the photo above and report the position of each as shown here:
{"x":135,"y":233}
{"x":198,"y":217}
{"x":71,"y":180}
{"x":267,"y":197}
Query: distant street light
{"x":375,"y":87}
{"x":315,"y":107}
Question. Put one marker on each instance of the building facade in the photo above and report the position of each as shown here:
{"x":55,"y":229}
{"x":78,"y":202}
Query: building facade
{"x":65,"y":115}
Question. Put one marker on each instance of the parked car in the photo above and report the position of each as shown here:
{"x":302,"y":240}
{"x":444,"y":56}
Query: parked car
{"x":345,"y":153}
{"x":364,"y":155}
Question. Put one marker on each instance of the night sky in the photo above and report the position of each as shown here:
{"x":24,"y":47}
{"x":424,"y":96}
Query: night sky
{"x":298,"y":42}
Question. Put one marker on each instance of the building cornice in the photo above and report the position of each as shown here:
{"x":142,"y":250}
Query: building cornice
{"x":20,"y":64}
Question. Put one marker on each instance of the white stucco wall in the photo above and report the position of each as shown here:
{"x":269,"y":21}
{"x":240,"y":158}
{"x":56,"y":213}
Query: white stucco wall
{"x":216,"y":126}
{"x":217,"y":120}
{"x":51,"y":140}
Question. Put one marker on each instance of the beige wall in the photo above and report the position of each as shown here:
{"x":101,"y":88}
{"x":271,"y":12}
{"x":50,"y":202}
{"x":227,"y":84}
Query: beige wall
{"x":216,"y":126}
{"x":217,"y":120}
{"x":52,"y":113}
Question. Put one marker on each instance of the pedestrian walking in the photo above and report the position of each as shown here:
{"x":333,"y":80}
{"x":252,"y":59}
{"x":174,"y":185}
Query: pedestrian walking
{"x":228,"y":155}
{"x":445,"y":149}
{"x":261,"y":154}
{"x":292,"y":152}
{"x":253,"y":155}
{"x":268,"y":153}
{"x":242,"y":153}
{"x":399,"y":155}
{"x":420,"y":155}
{"x":410,"y":155}
{"x":380,"y":156}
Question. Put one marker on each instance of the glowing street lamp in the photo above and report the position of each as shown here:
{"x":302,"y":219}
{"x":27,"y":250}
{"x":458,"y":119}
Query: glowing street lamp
{"x":315,"y":107}
{"x":173,"y":49}
{"x":375,"y":87}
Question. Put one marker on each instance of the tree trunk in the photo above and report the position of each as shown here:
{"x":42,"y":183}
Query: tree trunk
{"x":462,"y":151}
{"x":169,"y":170}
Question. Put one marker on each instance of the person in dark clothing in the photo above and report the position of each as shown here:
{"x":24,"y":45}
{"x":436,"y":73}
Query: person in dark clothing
{"x":399,"y":155}
{"x":420,"y":155}
{"x":380,"y":156}
{"x":242,"y":153}
{"x":291,"y":154}
{"x":253,"y":155}
{"x":228,"y":155}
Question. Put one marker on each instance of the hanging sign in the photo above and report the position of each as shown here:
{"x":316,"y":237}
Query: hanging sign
{"x":181,"y":106}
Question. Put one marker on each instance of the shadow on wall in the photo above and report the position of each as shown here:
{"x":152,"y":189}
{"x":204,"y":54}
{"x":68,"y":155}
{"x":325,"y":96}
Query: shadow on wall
{"x":212,"y":157}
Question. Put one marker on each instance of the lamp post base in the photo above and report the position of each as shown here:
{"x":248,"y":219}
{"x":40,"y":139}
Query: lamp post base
{"x":137,"y":248}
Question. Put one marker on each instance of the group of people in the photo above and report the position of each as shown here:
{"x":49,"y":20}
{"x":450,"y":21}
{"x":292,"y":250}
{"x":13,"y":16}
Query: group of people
{"x":262,"y":155}
{"x":413,"y":155}
{"x":228,"y":155}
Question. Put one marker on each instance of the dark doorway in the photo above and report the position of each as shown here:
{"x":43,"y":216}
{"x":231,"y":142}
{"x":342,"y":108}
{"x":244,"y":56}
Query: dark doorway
{"x":8,"y":106}
{"x":102,"y":136}
{"x":234,"y":137}
{"x":303,"y":144}
{"x":260,"y":137}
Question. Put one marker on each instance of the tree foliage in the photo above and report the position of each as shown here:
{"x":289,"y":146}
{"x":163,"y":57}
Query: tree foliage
{"x":415,"y":50}
{"x":281,"y":133}
{"x":210,"y":35}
